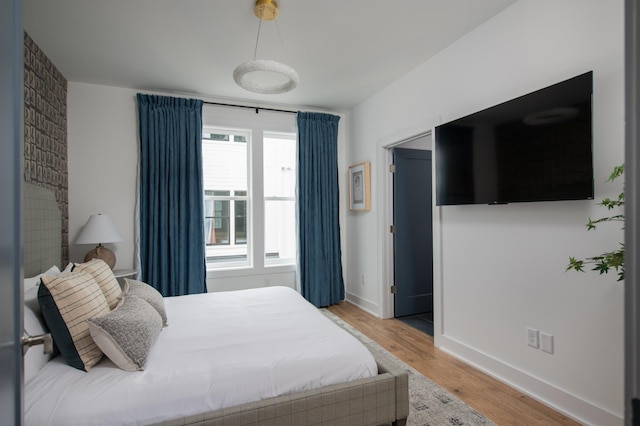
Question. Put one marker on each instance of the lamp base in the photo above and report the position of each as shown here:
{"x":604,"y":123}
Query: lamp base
{"x":101,"y":252}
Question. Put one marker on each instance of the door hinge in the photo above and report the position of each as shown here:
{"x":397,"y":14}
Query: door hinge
{"x":392,"y":229}
{"x":394,"y":290}
{"x":392,"y":168}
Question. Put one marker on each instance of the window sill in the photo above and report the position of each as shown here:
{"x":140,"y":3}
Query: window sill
{"x":248,"y":270}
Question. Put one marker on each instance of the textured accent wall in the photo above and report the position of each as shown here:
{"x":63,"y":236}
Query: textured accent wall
{"x":45,"y":130}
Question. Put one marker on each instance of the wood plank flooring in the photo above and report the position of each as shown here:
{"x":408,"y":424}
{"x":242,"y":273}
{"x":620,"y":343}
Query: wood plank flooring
{"x":495,"y":400}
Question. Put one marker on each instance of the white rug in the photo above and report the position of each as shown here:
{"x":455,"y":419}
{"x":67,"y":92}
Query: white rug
{"x":429,"y":404}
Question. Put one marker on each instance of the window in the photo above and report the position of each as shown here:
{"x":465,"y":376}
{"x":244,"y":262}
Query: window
{"x":222,"y":213}
{"x":250,"y":219}
{"x":224,"y":157}
{"x":279,"y":198}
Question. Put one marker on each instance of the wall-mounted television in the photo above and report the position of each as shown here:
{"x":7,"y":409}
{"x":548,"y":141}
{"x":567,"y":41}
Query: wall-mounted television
{"x":537,"y":147}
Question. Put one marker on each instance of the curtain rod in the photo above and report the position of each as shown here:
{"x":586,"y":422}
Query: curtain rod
{"x":250,"y":107}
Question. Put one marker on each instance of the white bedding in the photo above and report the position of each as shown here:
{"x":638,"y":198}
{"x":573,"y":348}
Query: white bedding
{"x":219,"y":350}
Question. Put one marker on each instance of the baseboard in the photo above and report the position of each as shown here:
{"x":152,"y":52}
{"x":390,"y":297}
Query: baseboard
{"x":364,"y":304}
{"x":578,"y":409}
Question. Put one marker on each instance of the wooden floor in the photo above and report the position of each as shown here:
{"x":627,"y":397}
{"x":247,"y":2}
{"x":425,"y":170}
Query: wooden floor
{"x":497,"y":401}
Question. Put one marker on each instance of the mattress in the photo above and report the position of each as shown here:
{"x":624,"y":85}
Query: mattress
{"x":219,"y":350}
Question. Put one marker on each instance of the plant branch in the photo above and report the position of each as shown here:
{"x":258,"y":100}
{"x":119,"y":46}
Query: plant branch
{"x":608,"y":260}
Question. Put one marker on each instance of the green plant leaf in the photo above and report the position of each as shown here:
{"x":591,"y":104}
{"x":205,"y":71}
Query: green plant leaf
{"x":608,"y":260}
{"x":617,"y":172}
{"x":575,"y":264}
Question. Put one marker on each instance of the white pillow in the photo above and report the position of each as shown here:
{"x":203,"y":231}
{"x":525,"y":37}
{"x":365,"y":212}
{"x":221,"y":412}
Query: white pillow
{"x":35,"y":358}
{"x":34,"y":281}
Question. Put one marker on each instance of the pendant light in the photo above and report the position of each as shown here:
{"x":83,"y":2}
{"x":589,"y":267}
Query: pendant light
{"x":265,"y":10}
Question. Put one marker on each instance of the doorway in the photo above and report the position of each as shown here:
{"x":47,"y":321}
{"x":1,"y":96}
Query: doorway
{"x":412,"y":235}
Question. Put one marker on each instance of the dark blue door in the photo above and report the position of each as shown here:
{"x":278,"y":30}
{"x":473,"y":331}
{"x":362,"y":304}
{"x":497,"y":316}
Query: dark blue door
{"x":413,"y":238}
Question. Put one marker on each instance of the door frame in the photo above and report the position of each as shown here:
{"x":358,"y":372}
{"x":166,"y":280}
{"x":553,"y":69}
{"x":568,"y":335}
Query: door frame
{"x":11,"y":161}
{"x":385,"y":220}
{"x":632,"y":213}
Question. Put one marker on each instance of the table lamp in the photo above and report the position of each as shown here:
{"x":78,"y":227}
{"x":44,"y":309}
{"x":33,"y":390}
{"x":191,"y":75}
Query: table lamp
{"x":98,"y":230}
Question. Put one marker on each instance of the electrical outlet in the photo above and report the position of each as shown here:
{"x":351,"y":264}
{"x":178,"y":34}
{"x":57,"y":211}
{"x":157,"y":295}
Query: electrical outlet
{"x":362,"y":279}
{"x":532,"y":337}
{"x":546,"y":342}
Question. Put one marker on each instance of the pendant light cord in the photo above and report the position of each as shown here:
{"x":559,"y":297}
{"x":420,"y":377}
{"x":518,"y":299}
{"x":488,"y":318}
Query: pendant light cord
{"x":255,"y":51}
{"x":284,"y":49}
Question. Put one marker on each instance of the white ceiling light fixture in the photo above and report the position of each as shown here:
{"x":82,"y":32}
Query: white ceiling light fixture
{"x":265,"y":10}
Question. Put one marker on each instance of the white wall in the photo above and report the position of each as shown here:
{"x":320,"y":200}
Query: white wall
{"x":501,"y":269}
{"x":102,"y":159}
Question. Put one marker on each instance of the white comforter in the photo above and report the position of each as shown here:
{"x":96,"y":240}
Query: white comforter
{"x":219,"y":350}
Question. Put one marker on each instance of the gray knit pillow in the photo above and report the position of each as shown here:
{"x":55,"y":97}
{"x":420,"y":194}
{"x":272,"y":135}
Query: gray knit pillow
{"x":126,"y":334}
{"x":148,"y":294}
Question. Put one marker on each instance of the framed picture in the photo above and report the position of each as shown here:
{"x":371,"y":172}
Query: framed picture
{"x":360,"y":187}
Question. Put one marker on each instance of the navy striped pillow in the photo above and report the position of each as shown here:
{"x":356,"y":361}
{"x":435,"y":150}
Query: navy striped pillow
{"x":66,"y":302}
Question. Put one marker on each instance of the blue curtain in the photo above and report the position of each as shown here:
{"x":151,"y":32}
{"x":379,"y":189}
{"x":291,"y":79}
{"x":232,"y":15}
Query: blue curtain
{"x":320,"y":263}
{"x":172,"y":256}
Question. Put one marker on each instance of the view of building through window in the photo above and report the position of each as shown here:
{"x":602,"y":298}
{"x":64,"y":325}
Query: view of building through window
{"x":232,"y":214}
{"x":279,"y":173}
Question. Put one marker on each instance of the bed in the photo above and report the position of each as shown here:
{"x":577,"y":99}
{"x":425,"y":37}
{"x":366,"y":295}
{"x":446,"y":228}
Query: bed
{"x":251,"y":357}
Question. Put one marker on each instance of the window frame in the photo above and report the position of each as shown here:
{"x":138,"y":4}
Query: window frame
{"x":265,"y":198}
{"x":232,"y":215}
{"x":247,"y":261}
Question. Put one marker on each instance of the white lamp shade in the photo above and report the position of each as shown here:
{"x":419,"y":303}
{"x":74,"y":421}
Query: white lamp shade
{"x":98,"y":230}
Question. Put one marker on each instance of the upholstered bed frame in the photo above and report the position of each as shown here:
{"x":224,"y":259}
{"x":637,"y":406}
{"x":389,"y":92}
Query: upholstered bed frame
{"x":379,"y":400}
{"x":383,"y":399}
{"x":42,"y":230}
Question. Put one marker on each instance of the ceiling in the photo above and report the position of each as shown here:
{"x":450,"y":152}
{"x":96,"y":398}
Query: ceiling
{"x":343,"y":50}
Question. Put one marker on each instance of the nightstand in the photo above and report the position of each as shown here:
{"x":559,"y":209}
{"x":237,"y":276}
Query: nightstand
{"x":124,"y":273}
{"x":121,"y":274}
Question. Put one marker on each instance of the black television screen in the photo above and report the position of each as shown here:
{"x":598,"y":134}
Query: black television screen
{"x":537,"y":147}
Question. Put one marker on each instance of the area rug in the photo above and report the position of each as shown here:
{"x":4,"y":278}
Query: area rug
{"x":429,"y":404}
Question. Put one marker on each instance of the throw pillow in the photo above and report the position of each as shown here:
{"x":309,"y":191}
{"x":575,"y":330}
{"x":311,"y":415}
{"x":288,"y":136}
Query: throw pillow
{"x":126,"y":334}
{"x":66,"y":302}
{"x":148,"y":294}
{"x":103,"y":275}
